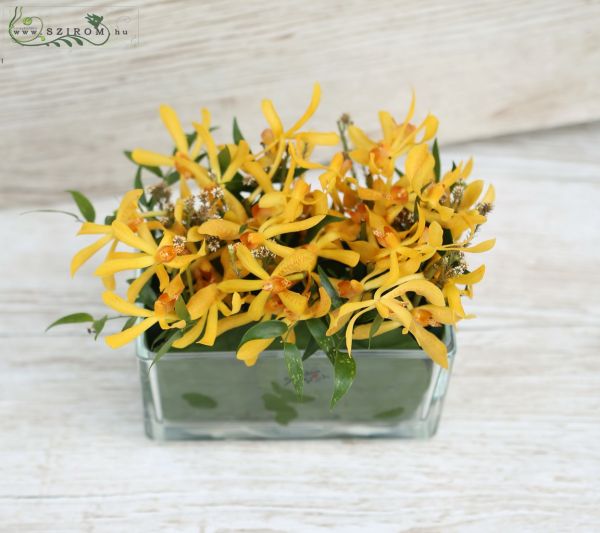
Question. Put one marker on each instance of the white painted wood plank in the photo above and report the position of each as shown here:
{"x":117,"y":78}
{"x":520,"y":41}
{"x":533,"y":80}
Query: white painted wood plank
{"x":483,"y":67}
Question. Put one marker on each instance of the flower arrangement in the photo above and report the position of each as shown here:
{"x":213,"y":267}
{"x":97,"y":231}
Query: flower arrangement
{"x":232,"y":239}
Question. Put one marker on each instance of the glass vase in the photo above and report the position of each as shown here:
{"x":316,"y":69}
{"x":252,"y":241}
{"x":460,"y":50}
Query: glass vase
{"x":212,"y":395}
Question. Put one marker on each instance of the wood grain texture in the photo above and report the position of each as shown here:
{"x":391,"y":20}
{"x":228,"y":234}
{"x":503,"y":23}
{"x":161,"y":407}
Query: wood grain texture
{"x":483,"y":67}
{"x":518,"y":445}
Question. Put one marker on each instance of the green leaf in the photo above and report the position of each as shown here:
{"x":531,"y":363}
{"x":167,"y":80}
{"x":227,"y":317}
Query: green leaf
{"x":77,"y":40}
{"x":311,"y":233}
{"x":318,"y":330}
{"x":288,"y":395}
{"x":391,"y":413}
{"x":181,"y":310}
{"x":284,"y":413}
{"x":75,"y":318}
{"x":109,"y":219}
{"x":311,"y":348}
{"x":363,"y":232}
{"x":264,"y":330}
{"x":237,"y":134}
{"x":98,"y":326}
{"x":446,"y":239}
{"x":191,"y":137}
{"x":76,"y":217}
{"x":447,"y":236}
{"x":436,"y":155}
{"x":159,"y":339}
{"x":344,"y":373}
{"x":147,"y":296}
{"x":236,"y":185}
{"x":173,"y":177}
{"x":199,"y":401}
{"x":137,"y":180}
{"x":375,"y":325}
{"x":129,"y":323}
{"x":84,"y":205}
{"x":224,"y":158}
{"x":177,"y":334}
{"x":399,"y":172}
{"x":336,"y":301}
{"x":293,"y":360}
{"x":416,"y":210}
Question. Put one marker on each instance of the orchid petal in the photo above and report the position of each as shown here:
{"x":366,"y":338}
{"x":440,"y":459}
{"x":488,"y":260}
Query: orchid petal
{"x":136,"y":286}
{"x":191,"y":335}
{"x":250,"y":350}
{"x":122,"y":306}
{"x":249,"y":262}
{"x":120,"y":339}
{"x":151,"y":159}
{"x":86,"y":253}
{"x":171,"y":122}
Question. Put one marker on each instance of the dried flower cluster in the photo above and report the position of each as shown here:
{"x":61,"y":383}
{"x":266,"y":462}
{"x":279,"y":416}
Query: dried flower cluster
{"x":245,"y":241}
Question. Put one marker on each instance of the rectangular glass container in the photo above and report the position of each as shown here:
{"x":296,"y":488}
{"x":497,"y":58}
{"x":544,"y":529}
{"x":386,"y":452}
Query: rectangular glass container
{"x":212,"y":395}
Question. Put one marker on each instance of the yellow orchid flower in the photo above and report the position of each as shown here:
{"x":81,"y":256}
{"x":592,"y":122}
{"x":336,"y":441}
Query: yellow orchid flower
{"x":127,"y":214}
{"x":291,"y":269}
{"x":183,"y":160}
{"x":239,"y":155}
{"x":265,"y":234}
{"x":250,"y":351}
{"x":249,"y":238}
{"x":325,"y":247}
{"x":380,"y":156}
{"x":453,"y":293}
{"x":287,"y":206}
{"x":204,"y":307}
{"x":389,"y":307}
{"x":275,"y":137}
{"x":124,"y":307}
{"x":171,"y":252}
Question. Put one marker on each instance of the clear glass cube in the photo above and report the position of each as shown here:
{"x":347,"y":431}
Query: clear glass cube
{"x":212,"y":395}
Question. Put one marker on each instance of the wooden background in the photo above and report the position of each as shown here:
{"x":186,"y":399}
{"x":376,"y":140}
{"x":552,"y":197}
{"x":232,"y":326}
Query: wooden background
{"x":484,"y":67}
{"x":518,"y":448}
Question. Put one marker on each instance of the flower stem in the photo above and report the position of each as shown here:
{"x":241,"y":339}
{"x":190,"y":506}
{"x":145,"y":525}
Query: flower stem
{"x":342,"y":129}
{"x":190,"y":282}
